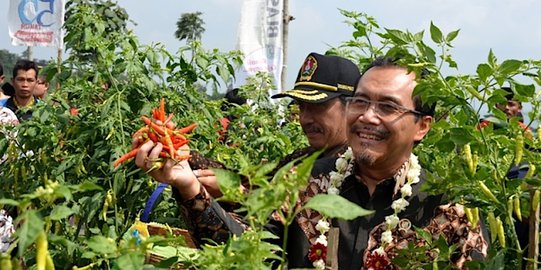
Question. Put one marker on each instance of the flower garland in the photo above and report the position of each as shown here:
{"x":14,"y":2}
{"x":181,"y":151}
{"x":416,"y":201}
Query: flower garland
{"x":318,"y":251}
{"x":377,"y":259}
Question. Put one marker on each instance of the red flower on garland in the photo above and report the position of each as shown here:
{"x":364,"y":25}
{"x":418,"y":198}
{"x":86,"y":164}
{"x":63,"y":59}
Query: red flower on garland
{"x":377,"y":261}
{"x":317,"y":251}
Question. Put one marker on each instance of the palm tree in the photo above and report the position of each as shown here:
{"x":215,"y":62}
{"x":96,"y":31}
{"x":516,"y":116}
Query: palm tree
{"x":190,"y":26}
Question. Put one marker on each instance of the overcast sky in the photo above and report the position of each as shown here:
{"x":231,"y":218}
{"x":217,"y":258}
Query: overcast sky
{"x":512,"y":28}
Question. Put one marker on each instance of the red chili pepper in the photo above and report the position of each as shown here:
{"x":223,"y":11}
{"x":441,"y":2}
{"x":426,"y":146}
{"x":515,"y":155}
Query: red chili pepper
{"x":187,"y":129}
{"x":126,"y":156}
{"x":153,"y":125}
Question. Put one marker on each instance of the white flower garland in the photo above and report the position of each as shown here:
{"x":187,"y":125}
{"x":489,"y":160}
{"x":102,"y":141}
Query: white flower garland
{"x":343,"y":164}
{"x":399,"y":205}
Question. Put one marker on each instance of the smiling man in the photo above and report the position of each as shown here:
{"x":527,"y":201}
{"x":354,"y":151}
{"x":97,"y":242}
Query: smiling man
{"x":25,"y":77}
{"x":383,"y":122}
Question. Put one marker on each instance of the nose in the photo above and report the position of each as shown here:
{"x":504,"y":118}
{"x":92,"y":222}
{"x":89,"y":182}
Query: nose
{"x":370,"y":116}
{"x":305,"y":117}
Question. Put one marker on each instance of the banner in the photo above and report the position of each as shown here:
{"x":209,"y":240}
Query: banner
{"x":36,"y":22}
{"x":260,"y":39}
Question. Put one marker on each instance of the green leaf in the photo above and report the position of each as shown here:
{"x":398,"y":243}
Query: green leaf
{"x":452,"y":35}
{"x":305,"y":168}
{"x":229,"y":183}
{"x":102,"y":245}
{"x":484,"y":71}
{"x":397,"y":36}
{"x":265,"y":169}
{"x":492,"y":58}
{"x":5,"y":201}
{"x":435,"y":33}
{"x":461,"y":136}
{"x":60,"y":212}
{"x":88,"y":186}
{"x":335,"y":206}
{"x":525,"y":90}
{"x":510,"y":66}
{"x":30,"y":226}
{"x":133,"y":261}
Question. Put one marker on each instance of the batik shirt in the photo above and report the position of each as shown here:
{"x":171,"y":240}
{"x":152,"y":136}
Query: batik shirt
{"x":358,"y":237}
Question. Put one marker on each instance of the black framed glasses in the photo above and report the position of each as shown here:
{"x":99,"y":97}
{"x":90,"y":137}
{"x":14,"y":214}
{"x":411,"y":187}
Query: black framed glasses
{"x":384,"y":109}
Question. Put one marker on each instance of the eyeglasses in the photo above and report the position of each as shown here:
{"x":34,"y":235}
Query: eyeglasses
{"x":384,"y":109}
{"x":28,"y":80}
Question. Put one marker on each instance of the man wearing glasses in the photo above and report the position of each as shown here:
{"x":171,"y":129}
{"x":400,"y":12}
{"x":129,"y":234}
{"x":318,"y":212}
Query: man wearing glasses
{"x":383,"y":122}
{"x":25,"y":76}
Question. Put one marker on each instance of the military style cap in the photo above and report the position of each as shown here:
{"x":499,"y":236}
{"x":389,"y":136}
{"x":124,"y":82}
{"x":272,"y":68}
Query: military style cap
{"x":322,"y":78}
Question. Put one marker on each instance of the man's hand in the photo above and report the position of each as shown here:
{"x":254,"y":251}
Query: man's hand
{"x":178,"y":175}
{"x":209,"y":181}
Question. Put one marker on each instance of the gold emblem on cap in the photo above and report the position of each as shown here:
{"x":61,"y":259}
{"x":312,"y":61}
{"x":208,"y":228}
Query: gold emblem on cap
{"x":308,"y":68}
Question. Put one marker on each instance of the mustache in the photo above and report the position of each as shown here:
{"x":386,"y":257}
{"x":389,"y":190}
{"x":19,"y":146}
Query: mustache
{"x":360,"y":128}
{"x":312,"y":128}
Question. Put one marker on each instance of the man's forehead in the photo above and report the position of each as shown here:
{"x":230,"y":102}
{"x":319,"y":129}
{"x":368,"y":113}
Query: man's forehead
{"x":27,"y":72}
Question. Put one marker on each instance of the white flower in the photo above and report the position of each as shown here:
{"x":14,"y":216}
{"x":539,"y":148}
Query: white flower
{"x":322,"y":239}
{"x":391,"y":221}
{"x":406,"y":190}
{"x":399,"y":205}
{"x":386,"y":237}
{"x":336,"y":177}
{"x":413,"y":173}
{"x":379,"y":251}
{"x":348,"y":154}
{"x":319,"y":264}
{"x":341,"y":164}
{"x":333,"y":191}
{"x":414,"y":160}
{"x":414,"y":170}
{"x":323,"y":226}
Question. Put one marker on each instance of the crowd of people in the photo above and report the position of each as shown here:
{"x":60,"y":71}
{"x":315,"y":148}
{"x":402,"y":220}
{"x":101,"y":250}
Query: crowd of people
{"x":366,"y":126}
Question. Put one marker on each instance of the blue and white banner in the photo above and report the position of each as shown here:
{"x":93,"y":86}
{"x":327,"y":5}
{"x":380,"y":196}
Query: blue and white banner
{"x":261,"y":39}
{"x":36,"y":22}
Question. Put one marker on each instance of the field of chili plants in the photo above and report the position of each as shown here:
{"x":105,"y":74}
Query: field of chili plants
{"x":77,"y":211}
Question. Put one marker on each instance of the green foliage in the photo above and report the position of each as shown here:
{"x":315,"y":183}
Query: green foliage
{"x":336,"y":206}
{"x":460,"y":100}
{"x":190,"y":26}
{"x":57,"y":167}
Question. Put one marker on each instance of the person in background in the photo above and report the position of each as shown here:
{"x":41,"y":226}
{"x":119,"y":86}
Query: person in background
{"x":2,"y":77}
{"x":232,"y":98}
{"x":25,"y":77}
{"x":42,"y":88}
{"x":512,"y":109}
{"x":322,"y":84}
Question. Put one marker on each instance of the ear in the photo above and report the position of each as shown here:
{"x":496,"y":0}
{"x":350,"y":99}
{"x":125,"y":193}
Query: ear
{"x":423,"y":126}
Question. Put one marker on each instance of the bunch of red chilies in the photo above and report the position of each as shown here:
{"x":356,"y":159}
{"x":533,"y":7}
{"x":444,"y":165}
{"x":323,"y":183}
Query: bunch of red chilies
{"x":160,"y":129}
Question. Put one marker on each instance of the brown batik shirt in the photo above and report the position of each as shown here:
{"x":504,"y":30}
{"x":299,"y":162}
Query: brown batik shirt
{"x":357,"y":237}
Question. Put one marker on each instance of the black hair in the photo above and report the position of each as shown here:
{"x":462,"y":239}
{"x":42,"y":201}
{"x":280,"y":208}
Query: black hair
{"x":420,"y":106}
{"x":8,"y":89}
{"x":25,"y":65}
{"x":232,"y":96}
{"x":509,"y":93}
{"x":1,"y":70}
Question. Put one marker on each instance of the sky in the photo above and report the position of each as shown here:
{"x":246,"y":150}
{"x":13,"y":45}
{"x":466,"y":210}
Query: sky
{"x":511,"y":28}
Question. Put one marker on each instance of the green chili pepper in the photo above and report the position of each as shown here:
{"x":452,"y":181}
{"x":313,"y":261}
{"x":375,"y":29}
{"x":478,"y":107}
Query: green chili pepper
{"x":487,"y":191}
